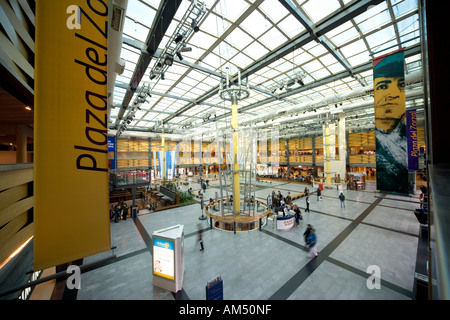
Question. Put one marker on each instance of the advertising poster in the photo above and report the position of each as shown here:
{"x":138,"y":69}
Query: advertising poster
{"x":413,"y":147}
{"x":390,"y":123}
{"x":164,"y":258}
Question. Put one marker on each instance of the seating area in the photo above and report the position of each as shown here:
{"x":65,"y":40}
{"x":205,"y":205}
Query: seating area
{"x":163,"y":198}
{"x":298,"y":195}
{"x":167,"y":194}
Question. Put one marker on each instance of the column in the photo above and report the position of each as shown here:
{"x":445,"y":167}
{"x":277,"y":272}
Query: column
{"x":236,"y":182}
{"x":163,"y":158}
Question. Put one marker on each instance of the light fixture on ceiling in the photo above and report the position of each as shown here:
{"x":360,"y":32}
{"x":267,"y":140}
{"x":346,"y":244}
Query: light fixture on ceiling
{"x":195,"y":26}
{"x":178,"y":38}
{"x":185,"y":49}
{"x":179,"y":55}
{"x":28,"y":108}
{"x":168,"y":60}
{"x":163,"y":76}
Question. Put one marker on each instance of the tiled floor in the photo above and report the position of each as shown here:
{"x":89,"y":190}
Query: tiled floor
{"x":272,"y":264}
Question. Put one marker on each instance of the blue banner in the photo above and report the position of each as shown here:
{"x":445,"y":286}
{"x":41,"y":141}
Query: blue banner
{"x":111,"y":143}
{"x":411,"y":134}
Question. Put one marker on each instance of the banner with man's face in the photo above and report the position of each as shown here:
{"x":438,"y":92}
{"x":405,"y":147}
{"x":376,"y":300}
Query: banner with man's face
{"x":390,"y":123}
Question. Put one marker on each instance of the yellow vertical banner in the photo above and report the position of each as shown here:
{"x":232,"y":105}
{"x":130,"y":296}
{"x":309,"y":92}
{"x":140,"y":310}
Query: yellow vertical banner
{"x":71,"y":209}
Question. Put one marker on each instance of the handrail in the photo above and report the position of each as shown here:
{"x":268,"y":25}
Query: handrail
{"x":234,"y":218}
{"x":51,"y":277}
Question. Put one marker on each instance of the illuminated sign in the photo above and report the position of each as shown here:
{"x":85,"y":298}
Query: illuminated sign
{"x":163,"y":258}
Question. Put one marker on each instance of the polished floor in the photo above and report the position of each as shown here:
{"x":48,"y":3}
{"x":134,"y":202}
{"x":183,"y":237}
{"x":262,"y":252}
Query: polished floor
{"x":271,"y":264}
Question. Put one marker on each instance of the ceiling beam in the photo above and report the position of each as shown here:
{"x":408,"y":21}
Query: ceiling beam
{"x":161,"y":23}
{"x":344,"y":15}
{"x":411,"y":51}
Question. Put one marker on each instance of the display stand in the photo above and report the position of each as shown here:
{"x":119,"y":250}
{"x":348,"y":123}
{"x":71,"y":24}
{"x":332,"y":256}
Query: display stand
{"x":168,"y":258}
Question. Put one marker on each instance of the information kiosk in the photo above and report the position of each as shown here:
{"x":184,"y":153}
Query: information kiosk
{"x":168,"y":258}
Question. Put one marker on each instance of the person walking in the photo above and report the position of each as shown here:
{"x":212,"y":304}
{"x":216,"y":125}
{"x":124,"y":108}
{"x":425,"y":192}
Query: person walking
{"x":312,"y":244}
{"x":319,"y":194}
{"x":307,"y":204}
{"x":342,"y":198}
{"x":200,"y":236}
{"x":116,"y":213}
{"x":306,"y":233}
{"x":298,"y":215}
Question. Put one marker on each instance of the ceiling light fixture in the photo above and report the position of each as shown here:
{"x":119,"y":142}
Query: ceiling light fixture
{"x":178,"y":38}
{"x":168,"y":60}
{"x":185,"y":49}
{"x":195,"y":26}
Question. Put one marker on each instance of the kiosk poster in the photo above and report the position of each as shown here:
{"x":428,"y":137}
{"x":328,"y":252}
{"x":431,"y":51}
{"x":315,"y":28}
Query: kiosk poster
{"x":390,"y":124}
{"x":164,"y":258}
{"x":413,"y":147}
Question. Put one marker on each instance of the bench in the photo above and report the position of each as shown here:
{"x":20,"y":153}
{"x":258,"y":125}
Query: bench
{"x":167,"y":194}
{"x":298,"y":195}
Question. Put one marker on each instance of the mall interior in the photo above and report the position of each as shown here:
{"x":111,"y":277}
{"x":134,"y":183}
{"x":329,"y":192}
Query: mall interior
{"x":212,"y":110}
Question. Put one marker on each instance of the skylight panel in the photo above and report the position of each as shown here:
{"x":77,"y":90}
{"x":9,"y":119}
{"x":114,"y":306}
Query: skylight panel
{"x":154,"y":3}
{"x":225,"y":51}
{"x":318,"y":10}
{"x":371,"y":11}
{"x":312,"y":66}
{"x":255,"y":50}
{"x":202,"y":40}
{"x":291,"y":26}
{"x":140,"y":12}
{"x":401,"y":8}
{"x":213,"y":61}
{"x":375,"y":21}
{"x":135,"y":30}
{"x":274,"y":10}
{"x":256,"y":24}
{"x":343,"y":37}
{"x":379,"y":39}
{"x":328,"y":60}
{"x":238,"y":38}
{"x":353,"y":48}
{"x":273,"y":38}
{"x":408,"y":26}
{"x":215,"y":25}
{"x":241,"y":60}
{"x":319,"y":74}
{"x":178,"y":69}
{"x":317,"y":50}
{"x":358,"y":59}
{"x":231,"y":9}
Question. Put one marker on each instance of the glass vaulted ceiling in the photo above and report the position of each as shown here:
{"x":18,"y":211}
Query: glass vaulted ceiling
{"x":241,"y":34}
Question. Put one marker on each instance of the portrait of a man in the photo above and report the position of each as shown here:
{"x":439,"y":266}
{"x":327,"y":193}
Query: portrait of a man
{"x":390,"y":123}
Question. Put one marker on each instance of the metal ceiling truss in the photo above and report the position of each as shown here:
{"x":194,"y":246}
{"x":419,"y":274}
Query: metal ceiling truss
{"x":312,"y":33}
{"x":164,"y":16}
{"x":336,"y":20}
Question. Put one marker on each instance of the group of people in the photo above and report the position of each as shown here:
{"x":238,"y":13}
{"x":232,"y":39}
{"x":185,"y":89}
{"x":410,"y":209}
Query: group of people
{"x":120,"y":211}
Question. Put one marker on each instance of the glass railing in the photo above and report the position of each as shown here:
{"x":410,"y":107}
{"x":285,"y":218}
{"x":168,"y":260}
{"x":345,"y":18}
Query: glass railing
{"x":129,"y":177}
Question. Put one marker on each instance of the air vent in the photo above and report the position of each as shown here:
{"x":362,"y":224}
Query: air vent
{"x":116,"y":21}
